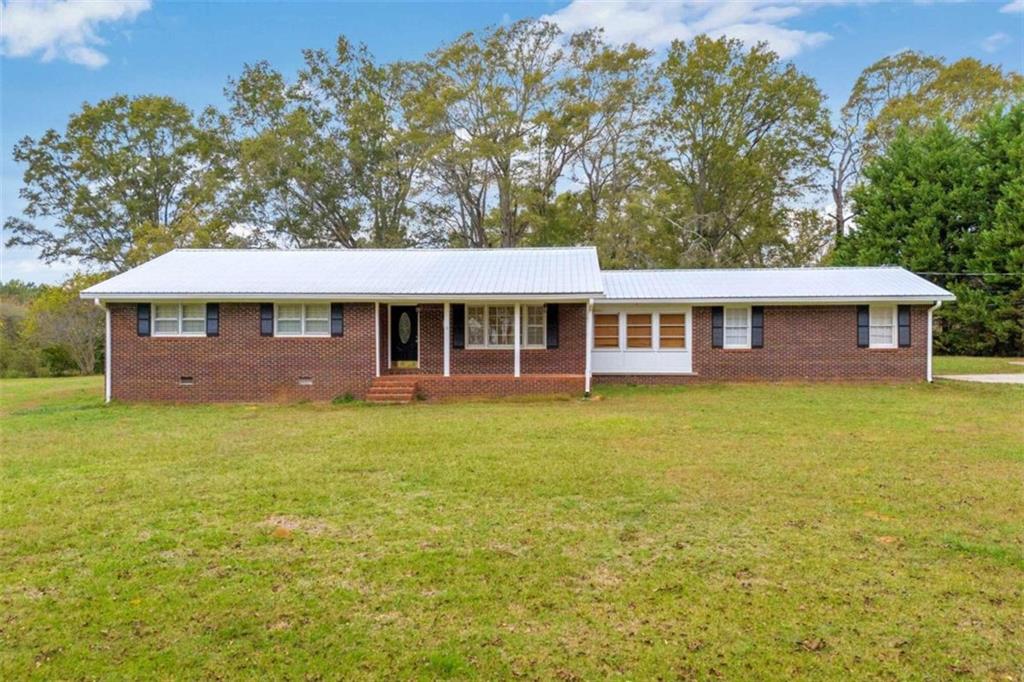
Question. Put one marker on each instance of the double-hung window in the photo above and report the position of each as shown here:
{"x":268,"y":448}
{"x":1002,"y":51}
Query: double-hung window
{"x":179,"y":319}
{"x":737,"y":327}
{"x":303,"y":319}
{"x":494,"y":326}
{"x":534,"y":324}
{"x":882,"y":323}
{"x":501,"y":330}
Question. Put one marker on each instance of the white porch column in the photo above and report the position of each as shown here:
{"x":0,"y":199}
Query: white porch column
{"x":106,"y":359}
{"x":590,"y":346}
{"x":515,"y":343}
{"x":376,"y":338}
{"x":447,"y":339}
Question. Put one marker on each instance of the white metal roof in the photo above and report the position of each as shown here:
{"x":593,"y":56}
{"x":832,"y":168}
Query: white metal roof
{"x":426,"y":274}
{"x":770,"y":284}
{"x":357,"y":273}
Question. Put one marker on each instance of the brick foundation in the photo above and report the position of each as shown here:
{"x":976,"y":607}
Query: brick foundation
{"x":499,"y":386}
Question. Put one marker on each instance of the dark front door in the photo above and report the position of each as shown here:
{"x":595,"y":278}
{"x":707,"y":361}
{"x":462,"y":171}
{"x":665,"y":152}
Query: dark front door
{"x":404,"y":334}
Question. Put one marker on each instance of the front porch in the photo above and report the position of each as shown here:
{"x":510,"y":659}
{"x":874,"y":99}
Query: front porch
{"x":438,"y":350}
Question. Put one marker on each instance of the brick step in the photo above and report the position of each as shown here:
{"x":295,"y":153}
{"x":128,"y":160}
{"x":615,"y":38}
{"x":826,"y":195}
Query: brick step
{"x":392,"y":390}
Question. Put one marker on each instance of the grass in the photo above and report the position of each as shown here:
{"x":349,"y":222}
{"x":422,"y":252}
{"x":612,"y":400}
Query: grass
{"x":960,"y":364}
{"x":747,"y":532}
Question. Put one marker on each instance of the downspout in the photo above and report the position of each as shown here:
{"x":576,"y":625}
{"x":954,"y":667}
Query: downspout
{"x":590,"y":347}
{"x":106,"y":354}
{"x":931,"y":310}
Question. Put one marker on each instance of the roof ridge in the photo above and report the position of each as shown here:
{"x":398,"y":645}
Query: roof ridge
{"x":345,"y":249}
{"x":759,"y":269}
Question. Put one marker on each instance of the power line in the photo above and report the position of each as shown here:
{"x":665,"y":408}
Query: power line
{"x":971,"y":274}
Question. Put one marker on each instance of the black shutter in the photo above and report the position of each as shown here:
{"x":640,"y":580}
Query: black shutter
{"x":266,"y":319}
{"x":863,"y":326}
{"x":552,"y":325}
{"x":717,"y":326}
{"x":337,"y":319}
{"x":142,"y":319}
{"x":903,"y":318}
{"x":458,"y":325}
{"x":757,"y":326}
{"x":213,"y":319}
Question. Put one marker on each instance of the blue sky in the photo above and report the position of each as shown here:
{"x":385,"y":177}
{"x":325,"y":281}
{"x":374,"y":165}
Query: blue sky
{"x":57,"y":54}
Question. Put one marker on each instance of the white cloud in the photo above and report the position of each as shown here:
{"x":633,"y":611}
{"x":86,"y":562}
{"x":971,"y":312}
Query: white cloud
{"x":62,"y":29}
{"x":656,"y":24}
{"x":1014,"y":6}
{"x":995,"y":42}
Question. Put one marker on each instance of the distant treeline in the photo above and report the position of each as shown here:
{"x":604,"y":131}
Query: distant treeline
{"x":710,"y":154}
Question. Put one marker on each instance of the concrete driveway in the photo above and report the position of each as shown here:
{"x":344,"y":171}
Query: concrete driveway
{"x":985,"y":378}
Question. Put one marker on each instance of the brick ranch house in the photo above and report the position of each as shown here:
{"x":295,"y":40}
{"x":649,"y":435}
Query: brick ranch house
{"x":389,"y":324}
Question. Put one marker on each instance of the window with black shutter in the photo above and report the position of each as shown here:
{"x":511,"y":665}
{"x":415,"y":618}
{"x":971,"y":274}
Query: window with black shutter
{"x":903,"y":317}
{"x":213,"y":319}
{"x":337,"y":319}
{"x":552,"y":340}
{"x":717,"y":326}
{"x":863,"y":326}
{"x":458,"y":322}
{"x":757,"y":326}
{"x":143,"y":317}
{"x":266,"y":319}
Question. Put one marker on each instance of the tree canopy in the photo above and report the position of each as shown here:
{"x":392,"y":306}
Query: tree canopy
{"x":714,"y":153}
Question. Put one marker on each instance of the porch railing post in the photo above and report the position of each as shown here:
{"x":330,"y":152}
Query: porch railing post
{"x":376,"y":338}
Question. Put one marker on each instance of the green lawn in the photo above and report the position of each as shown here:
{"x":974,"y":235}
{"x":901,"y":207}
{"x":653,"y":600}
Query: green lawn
{"x":959,"y":364}
{"x":736,"y":531}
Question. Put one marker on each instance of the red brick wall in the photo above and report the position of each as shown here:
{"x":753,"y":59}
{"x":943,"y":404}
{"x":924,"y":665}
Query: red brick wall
{"x":240,"y":365}
{"x":801,"y":343}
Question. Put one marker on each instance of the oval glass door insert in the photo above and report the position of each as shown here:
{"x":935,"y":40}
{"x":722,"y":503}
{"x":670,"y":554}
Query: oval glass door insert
{"x":404,"y":328}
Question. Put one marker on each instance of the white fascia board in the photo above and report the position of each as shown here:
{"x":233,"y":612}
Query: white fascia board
{"x":845,"y":300}
{"x":389,"y":298}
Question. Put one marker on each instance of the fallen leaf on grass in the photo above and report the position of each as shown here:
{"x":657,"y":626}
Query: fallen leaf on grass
{"x":887,"y":539}
{"x":812,"y":644}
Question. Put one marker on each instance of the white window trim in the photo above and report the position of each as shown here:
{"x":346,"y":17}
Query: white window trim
{"x":894,"y":326}
{"x":487,"y":345}
{"x":180,"y":318}
{"x":725,"y":328}
{"x":524,"y":324}
{"x":302,"y":333}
